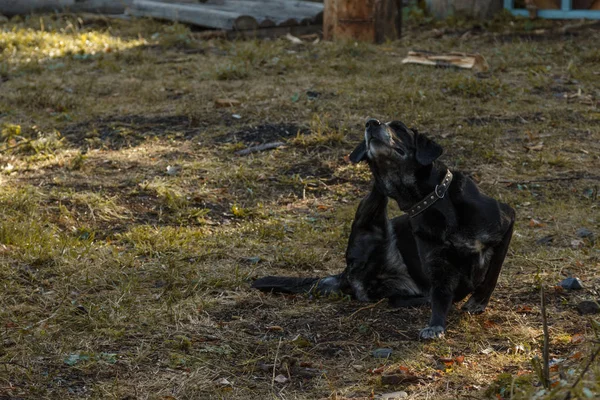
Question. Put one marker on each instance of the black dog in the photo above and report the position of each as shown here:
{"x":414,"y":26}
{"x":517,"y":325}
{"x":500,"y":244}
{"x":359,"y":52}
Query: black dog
{"x":451,"y":242}
{"x":382,"y":261}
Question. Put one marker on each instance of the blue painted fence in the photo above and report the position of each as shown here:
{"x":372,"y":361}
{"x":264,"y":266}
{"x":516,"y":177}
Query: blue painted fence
{"x":565,"y":12}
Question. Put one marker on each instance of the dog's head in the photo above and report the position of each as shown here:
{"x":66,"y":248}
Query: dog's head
{"x":395,"y":154}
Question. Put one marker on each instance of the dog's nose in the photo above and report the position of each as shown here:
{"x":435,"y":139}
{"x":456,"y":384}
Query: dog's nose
{"x":372,"y":122}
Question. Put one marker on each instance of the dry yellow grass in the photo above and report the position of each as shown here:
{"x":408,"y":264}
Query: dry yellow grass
{"x":129,"y":229}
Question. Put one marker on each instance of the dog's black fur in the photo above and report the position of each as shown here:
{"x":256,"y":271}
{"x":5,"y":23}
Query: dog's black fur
{"x":454,"y":248}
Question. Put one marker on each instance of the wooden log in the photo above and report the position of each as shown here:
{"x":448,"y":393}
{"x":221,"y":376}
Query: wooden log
{"x":365,"y":20}
{"x":233,"y":14}
{"x":192,"y":14}
{"x":278,"y":11}
{"x":23,"y":7}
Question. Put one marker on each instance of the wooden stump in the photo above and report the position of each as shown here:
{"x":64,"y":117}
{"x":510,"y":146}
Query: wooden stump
{"x":364,"y":20}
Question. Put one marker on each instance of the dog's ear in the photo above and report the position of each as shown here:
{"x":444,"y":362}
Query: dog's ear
{"x":427,"y":150}
{"x":359,"y":153}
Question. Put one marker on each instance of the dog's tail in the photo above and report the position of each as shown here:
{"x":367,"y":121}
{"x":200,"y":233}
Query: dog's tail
{"x":283,"y":284}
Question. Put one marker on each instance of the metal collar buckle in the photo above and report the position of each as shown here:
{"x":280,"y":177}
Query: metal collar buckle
{"x":440,"y":196}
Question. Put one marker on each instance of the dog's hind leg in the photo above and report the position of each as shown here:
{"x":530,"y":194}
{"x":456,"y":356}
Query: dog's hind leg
{"x":482,"y":293}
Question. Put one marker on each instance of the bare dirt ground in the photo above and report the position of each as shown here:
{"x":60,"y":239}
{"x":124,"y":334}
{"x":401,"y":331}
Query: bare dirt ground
{"x":130,"y":230}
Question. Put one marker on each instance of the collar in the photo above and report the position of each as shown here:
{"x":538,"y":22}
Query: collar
{"x":438,"y":193}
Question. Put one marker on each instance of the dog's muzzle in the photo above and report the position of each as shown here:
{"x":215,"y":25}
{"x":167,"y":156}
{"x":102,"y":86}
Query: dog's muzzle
{"x":376,"y":130}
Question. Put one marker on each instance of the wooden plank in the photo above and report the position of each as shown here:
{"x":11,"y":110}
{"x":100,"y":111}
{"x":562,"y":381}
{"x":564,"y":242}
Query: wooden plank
{"x":192,"y":14}
{"x":461,"y":60}
{"x":23,"y":7}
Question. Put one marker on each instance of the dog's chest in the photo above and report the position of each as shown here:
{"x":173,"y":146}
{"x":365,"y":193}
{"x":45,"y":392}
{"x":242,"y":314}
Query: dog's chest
{"x":473,"y":248}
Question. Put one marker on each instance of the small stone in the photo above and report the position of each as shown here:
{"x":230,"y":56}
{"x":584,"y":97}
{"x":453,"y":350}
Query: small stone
{"x":393,"y":396}
{"x":545,"y":240}
{"x":358,"y":367}
{"x":224,"y":382}
{"x":577,"y":243}
{"x":571,"y":284}
{"x":312,"y":94}
{"x":172,"y":170}
{"x":398,"y":379}
{"x":584,"y":233}
{"x":588,"y":307}
{"x":281,"y":379}
{"x":382,"y":353}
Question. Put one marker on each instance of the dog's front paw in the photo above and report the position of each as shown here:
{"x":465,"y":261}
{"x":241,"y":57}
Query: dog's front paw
{"x":473,"y":307}
{"x":432,"y":332}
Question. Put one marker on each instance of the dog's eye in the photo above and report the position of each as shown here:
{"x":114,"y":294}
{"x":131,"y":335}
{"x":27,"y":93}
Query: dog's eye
{"x":399,"y":151}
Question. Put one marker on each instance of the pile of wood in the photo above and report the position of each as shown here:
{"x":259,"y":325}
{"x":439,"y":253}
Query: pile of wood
{"x":233,"y":14}
{"x":238,"y":15}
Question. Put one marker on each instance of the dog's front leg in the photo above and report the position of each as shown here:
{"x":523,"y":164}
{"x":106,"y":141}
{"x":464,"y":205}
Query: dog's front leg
{"x":443,"y":285}
{"x":441,"y":300}
{"x":369,"y":239}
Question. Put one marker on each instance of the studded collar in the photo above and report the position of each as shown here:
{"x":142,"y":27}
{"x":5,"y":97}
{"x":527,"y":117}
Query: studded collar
{"x":438,"y":193}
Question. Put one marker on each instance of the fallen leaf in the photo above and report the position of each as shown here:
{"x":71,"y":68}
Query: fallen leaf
{"x":281,"y":379}
{"x":524,"y":309}
{"x":447,"y":361}
{"x":576,"y":355}
{"x":459,"y":360}
{"x":275,"y":328}
{"x":377,"y":371}
{"x":577,"y":338}
{"x":222,"y":103}
{"x":489,"y":324}
{"x":301,"y":341}
{"x":534,"y":223}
